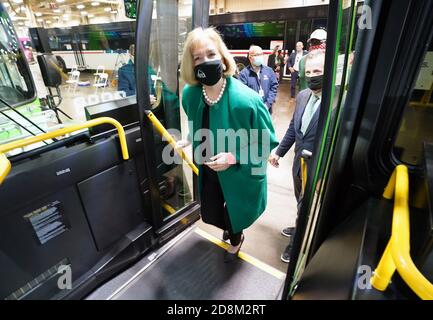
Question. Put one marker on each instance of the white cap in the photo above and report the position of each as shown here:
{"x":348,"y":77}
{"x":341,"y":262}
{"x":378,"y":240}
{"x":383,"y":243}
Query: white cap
{"x":318,"y":34}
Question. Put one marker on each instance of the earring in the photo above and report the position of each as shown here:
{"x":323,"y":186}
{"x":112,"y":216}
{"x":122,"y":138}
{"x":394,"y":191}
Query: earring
{"x":224,"y":67}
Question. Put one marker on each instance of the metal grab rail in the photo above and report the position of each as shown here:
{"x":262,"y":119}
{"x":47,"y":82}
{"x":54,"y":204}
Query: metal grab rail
{"x":158,"y":125}
{"x":397,"y":252}
{"x":5,"y":165}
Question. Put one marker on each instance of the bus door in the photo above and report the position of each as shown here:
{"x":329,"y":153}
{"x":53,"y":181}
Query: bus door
{"x":339,"y":59}
{"x":161,"y":30}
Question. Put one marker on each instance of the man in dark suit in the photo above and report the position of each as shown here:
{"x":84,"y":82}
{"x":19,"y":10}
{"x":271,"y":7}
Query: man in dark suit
{"x":302,"y":129}
{"x":293,"y":65}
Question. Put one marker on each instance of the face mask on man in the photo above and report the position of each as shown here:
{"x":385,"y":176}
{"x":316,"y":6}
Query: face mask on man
{"x":209,"y":72}
{"x":315,"y":83}
{"x":258,"y":61}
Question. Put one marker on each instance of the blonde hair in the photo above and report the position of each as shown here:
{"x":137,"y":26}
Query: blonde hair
{"x":196,"y":38}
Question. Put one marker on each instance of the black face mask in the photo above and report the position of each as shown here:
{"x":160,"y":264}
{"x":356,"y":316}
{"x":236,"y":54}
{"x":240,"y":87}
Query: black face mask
{"x":315,"y":83}
{"x":209,"y":72}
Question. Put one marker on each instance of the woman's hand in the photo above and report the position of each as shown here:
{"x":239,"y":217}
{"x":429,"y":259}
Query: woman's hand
{"x":273,"y":160}
{"x":222,"y":161}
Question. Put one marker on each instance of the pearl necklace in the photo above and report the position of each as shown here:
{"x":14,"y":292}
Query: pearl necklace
{"x":210,"y":101}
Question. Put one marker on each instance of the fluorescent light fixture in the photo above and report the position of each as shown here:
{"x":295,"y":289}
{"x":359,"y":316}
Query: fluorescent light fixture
{"x":57,"y":10}
{"x":95,"y":3}
{"x":17,"y":1}
{"x":83,"y":13}
{"x":91,"y":15}
{"x":107,"y":9}
{"x":40,"y":20}
{"x":38,"y":14}
{"x":48,"y":21}
{"x":60,"y":1}
{"x":113,"y":11}
{"x":21,"y":23}
{"x":80,"y":6}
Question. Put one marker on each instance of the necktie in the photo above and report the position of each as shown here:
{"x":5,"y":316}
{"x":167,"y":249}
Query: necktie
{"x":308,"y":113}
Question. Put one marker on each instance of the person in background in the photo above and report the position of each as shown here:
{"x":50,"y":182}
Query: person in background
{"x":260,"y":78}
{"x":213,"y":100}
{"x":293,"y":63}
{"x":317,"y":40}
{"x":281,"y":62}
{"x":272,"y":59}
{"x":303,"y":127}
{"x":126,"y":77}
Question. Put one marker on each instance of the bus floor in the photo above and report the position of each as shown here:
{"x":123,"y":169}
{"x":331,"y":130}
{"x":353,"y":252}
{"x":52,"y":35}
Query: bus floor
{"x":263,"y":240}
{"x":192,"y":267}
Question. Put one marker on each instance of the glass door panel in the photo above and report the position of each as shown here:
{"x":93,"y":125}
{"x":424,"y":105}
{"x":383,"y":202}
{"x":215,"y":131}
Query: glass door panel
{"x":171,"y":22}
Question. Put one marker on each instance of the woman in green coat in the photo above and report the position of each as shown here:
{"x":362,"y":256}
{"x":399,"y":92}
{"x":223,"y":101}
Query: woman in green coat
{"x":232,"y":136}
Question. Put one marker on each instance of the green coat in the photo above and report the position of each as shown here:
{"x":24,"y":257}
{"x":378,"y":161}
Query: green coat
{"x":239,"y":108}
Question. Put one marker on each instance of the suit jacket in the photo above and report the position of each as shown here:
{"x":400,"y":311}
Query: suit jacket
{"x":294,"y":134}
{"x":292,"y":58}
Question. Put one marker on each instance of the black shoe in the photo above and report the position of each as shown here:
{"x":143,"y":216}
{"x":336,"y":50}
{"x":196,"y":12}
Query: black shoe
{"x":285,"y":257}
{"x":288,"y":232}
{"x":229,"y":257}
{"x":225,"y":235}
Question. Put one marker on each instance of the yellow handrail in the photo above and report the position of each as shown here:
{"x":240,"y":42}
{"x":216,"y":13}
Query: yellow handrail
{"x":5,"y":164}
{"x":303,"y":174}
{"x":5,"y":167}
{"x":397,"y":252}
{"x":158,"y":125}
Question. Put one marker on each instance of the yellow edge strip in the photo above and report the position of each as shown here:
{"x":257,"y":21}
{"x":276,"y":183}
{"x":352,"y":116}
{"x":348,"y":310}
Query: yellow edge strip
{"x":244,"y":256}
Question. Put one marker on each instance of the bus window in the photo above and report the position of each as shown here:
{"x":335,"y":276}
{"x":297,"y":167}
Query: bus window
{"x":15,"y":83}
{"x":416,"y":126}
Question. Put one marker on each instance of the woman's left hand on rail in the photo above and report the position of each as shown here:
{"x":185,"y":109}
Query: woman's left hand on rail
{"x":222,"y":161}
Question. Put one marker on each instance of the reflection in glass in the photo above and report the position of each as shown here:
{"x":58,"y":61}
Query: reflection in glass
{"x":416,"y":126}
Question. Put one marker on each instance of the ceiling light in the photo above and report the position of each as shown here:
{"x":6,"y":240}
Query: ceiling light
{"x":48,"y":21}
{"x":107,"y":9}
{"x":60,"y":1}
{"x":21,"y":23}
{"x":57,"y":10}
{"x":80,"y":6}
{"x":17,"y":1}
{"x":40,"y":20}
{"x":94,"y":3}
{"x":83,"y":13}
{"x":38,"y":14}
{"x":91,"y":15}
{"x":113,"y":11}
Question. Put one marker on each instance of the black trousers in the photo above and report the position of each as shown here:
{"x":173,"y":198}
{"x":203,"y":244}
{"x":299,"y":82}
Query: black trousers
{"x":294,"y":79}
{"x":213,"y":208}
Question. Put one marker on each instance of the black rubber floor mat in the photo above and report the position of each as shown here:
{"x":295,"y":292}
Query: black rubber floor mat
{"x":194,"y":269}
